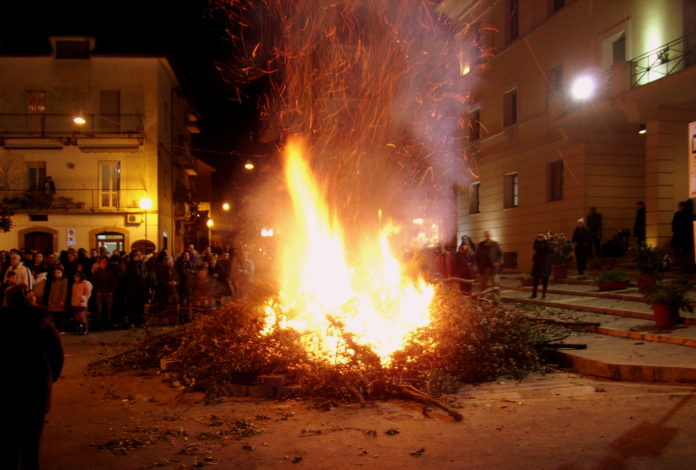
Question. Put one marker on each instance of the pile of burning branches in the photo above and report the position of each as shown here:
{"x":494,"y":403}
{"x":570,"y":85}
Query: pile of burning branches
{"x":466,"y":342}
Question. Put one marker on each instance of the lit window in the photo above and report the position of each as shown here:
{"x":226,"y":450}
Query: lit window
{"x":109,"y":183}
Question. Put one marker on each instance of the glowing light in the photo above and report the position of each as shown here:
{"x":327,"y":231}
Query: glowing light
{"x":466,"y":70}
{"x":322,"y":286}
{"x":249,"y":165}
{"x":267,"y":232}
{"x":209,"y":223}
{"x":583,"y":88}
{"x":642,"y":129}
{"x":226,"y":206}
{"x":79,"y":120}
{"x":418,"y":221}
{"x":145,"y":203}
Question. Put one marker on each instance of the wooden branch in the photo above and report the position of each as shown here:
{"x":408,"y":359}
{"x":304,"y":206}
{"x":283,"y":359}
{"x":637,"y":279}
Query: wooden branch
{"x":419,"y":396}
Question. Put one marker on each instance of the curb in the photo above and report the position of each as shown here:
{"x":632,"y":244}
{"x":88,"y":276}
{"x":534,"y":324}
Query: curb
{"x":626,"y":372}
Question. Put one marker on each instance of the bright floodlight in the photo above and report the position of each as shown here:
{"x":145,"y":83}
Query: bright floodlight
{"x":145,"y":203}
{"x":583,"y":88}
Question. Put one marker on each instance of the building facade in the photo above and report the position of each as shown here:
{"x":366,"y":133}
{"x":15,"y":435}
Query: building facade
{"x":112,"y":133}
{"x":563,"y":88}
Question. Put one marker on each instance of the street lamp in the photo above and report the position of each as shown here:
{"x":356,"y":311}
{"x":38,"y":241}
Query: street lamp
{"x":145,"y":204}
{"x":210,"y":224}
{"x":249,"y":165}
{"x":582,"y":88}
{"x":226,"y":206}
{"x":79,"y":120}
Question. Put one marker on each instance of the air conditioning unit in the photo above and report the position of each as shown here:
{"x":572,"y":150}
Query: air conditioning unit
{"x":134,"y":219}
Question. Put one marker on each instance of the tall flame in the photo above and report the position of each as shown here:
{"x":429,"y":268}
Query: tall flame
{"x":320,"y":287}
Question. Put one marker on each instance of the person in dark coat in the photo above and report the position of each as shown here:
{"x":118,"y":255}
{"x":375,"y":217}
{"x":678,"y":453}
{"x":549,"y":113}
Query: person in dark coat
{"x":594,"y":225}
{"x":639,"y":223}
{"x":135,"y":283}
{"x":465,"y":265}
{"x":682,"y":231}
{"x":167,"y":282}
{"x":541,"y":264}
{"x":582,"y":242}
{"x":35,"y":360}
{"x":488,"y":261}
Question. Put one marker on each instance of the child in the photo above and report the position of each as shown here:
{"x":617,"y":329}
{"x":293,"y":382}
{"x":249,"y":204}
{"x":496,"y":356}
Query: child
{"x":81,"y":291}
{"x":10,"y":280}
{"x":57,"y":296}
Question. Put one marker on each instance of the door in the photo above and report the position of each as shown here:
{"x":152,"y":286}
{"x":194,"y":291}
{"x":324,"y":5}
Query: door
{"x":39,"y":241}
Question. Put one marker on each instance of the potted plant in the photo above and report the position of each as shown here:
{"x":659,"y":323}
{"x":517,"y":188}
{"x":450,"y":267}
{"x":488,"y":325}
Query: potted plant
{"x":613,"y":279}
{"x":562,"y":249}
{"x":667,"y":298}
{"x":652,"y":263}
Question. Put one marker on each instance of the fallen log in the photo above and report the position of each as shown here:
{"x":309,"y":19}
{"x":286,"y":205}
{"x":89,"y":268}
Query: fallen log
{"x":413,"y":393}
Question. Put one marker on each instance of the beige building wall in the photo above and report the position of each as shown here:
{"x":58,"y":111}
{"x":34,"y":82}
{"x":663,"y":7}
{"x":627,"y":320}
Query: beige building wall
{"x":607,"y":165}
{"x":73,"y":155}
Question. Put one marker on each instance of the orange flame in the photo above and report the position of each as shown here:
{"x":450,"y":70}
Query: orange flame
{"x":319,"y":287}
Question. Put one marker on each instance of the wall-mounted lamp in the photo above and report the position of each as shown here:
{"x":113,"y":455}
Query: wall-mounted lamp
{"x":642,"y":129}
{"x":249,"y":165}
{"x":79,"y":119}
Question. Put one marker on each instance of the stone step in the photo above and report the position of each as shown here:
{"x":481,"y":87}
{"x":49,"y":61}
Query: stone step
{"x":627,"y":359}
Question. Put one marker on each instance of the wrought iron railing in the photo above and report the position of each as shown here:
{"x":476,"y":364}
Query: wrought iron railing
{"x":22,"y":200}
{"x":663,"y":61}
{"x":58,"y":125}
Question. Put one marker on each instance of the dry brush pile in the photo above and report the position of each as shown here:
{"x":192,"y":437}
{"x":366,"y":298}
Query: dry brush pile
{"x":468,"y":341}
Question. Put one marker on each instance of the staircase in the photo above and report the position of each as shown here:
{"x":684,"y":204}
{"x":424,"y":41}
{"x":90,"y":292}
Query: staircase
{"x":617,"y":327}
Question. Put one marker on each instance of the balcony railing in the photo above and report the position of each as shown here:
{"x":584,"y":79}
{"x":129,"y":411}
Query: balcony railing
{"x":663,"y":61}
{"x":69,"y":200}
{"x":60,"y":125}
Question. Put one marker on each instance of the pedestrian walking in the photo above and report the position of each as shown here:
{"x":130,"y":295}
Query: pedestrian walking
{"x":488,"y":261}
{"x":594,"y":225}
{"x":582,"y":243}
{"x":541,"y":264}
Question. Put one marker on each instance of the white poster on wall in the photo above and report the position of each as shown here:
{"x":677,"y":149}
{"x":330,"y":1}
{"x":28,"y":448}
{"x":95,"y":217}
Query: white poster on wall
{"x":692,"y":159}
{"x":71,"y":236}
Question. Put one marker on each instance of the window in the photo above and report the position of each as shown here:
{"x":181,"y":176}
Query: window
{"x":109,"y":111}
{"x":109,"y":183}
{"x":474,"y":195}
{"x":618,"y":49}
{"x":72,"y":49}
{"x":513,"y":20}
{"x":554,"y":181}
{"x":36,"y":174}
{"x":474,"y":124}
{"x":510,"y":108}
{"x":511,"y":190}
{"x":510,"y":259}
{"x":112,"y":241}
{"x":557,"y":5}
{"x":36,"y":110}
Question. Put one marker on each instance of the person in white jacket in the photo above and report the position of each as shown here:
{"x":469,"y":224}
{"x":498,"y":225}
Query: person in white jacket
{"x":22,"y":272}
{"x":81,"y":292}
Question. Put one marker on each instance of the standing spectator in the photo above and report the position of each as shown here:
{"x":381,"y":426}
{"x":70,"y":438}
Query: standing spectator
{"x":682,"y":232}
{"x":34,"y":361}
{"x":466,"y":239}
{"x":582,"y":242}
{"x":594,"y":225}
{"x":37,"y":265}
{"x":192,"y":254}
{"x":243,"y":274}
{"x":217,"y":274}
{"x":541,"y":264}
{"x":225,"y":267}
{"x":49,"y":186}
{"x":187,"y":275}
{"x":10,"y":280}
{"x":58,"y":297}
{"x":81,"y":292}
{"x":22,"y":272}
{"x":464,"y":265}
{"x":488,"y":260}
{"x":639,"y":223}
{"x":167,"y":281}
{"x":136,"y":289}
{"x":104,"y":284}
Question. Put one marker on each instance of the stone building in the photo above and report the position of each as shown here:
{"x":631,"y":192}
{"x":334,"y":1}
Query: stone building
{"x":576,"y":104}
{"x":112,"y":132}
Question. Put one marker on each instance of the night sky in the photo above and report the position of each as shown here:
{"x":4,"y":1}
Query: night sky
{"x":187,"y":32}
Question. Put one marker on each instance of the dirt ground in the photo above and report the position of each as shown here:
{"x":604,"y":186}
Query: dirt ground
{"x":556,"y":421}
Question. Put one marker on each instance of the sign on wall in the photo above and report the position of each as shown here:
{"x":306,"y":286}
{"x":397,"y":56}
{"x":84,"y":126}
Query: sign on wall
{"x":71,"y":234}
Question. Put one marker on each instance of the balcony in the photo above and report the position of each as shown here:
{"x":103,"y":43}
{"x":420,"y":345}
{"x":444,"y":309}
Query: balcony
{"x":663,"y":61}
{"x":72,"y":201}
{"x":62,"y":125}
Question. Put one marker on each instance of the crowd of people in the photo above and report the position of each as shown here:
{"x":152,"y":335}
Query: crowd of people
{"x":101,"y":290}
